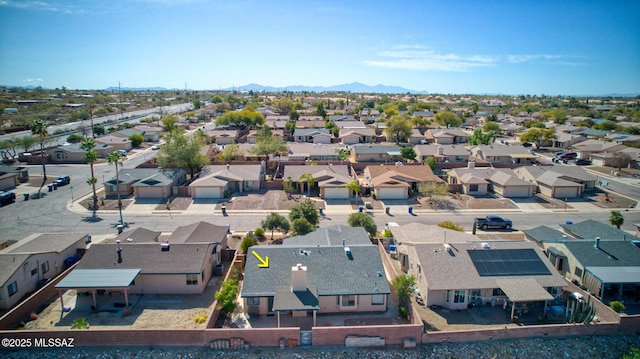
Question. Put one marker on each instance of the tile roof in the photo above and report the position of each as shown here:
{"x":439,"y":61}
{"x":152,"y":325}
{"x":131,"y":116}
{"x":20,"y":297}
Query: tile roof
{"x":329,"y":269}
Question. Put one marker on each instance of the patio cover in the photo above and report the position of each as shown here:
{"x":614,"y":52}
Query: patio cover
{"x":523,"y":290}
{"x":287,"y":300}
{"x":98,"y":278}
{"x":616,"y":274}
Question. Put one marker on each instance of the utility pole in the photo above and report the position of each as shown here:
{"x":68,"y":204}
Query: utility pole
{"x":120,"y":102}
{"x":93,"y":135}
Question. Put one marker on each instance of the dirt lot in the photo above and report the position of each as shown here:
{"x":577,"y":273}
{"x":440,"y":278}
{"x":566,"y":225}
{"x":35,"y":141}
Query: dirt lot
{"x":265,"y":200}
{"x":461,"y":201}
{"x":106,"y":204}
{"x":147,"y":311}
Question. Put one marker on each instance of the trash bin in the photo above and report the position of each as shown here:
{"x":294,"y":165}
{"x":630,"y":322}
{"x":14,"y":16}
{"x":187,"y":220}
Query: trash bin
{"x":50,"y":187}
{"x":360,"y":208}
{"x":120,"y":228}
{"x":217,"y":271}
{"x":26,"y":196}
{"x":55,"y":186}
{"x":224,"y":210}
{"x":411,"y":209}
{"x":386,"y":210}
{"x":320,"y":210}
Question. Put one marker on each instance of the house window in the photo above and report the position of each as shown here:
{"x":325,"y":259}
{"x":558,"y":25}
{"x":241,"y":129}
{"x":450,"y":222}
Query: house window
{"x":458,"y":296}
{"x":473,"y":188}
{"x":377,"y":299}
{"x":253,"y":301}
{"x":348,"y":300}
{"x":447,"y":295}
{"x":34,"y":271}
{"x":202,"y":275}
{"x":578,"y":272}
{"x":45,"y":267}
{"x":12,"y":288}
{"x":192,"y":279}
{"x":497,"y":292}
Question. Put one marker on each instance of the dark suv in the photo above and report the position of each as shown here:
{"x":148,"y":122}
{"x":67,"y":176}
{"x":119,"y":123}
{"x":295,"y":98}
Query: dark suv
{"x":583,"y":161}
{"x":62,"y":180}
{"x":7,"y":198}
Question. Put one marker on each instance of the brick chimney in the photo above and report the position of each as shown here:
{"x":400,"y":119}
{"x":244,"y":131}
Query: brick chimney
{"x":298,"y":278}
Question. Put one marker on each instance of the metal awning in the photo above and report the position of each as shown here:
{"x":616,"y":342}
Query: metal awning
{"x":616,"y":274}
{"x":556,"y":252}
{"x":98,"y":278}
{"x":523,"y":290}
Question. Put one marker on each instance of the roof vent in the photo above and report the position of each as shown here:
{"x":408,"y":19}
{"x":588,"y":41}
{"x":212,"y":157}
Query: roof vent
{"x":596,"y":245}
{"x":129,"y":239}
{"x":485,"y":245}
{"x":164,"y":247}
{"x":347,"y":251}
{"x":447,"y":247}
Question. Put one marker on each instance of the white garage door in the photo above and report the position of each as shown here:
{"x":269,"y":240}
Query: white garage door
{"x":391,"y":193}
{"x":208,"y":192}
{"x":336,"y":193}
{"x":515,"y":192}
{"x":566,"y":192}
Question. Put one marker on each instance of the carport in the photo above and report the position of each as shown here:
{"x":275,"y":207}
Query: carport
{"x":612,"y":282}
{"x":524,"y":290}
{"x":299,"y":303}
{"x":95,"y":279}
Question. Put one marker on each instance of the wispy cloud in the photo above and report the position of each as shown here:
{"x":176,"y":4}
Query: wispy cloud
{"x":33,"y":81}
{"x":422,"y":58}
{"x":52,"y":6}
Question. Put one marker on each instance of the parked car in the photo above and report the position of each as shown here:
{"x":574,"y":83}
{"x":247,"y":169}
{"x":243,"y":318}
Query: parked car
{"x":122,"y":153}
{"x":7,"y":198}
{"x":62,"y":180}
{"x":155,"y":147}
{"x":567,"y":156}
{"x":493,"y":222}
{"x":583,"y":162}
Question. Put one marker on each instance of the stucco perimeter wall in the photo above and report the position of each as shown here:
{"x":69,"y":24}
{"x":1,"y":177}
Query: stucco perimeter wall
{"x":393,"y":334}
{"x":520,"y":332}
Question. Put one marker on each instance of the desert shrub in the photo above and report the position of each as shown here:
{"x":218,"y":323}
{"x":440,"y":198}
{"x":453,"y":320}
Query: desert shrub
{"x":80,"y":323}
{"x":246,"y":243}
{"x":259,"y":233}
{"x":617,"y":306}
{"x":387,"y":233}
{"x":200,"y":318}
{"x":451,"y":225}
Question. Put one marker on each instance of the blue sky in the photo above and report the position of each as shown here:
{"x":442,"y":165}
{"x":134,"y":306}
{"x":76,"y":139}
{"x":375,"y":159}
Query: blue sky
{"x":458,"y":47}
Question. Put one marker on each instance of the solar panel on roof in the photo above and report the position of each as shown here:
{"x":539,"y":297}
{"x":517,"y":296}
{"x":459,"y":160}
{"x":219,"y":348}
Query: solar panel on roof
{"x":507,"y":262}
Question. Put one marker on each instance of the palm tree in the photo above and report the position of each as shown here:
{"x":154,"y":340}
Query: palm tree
{"x":116,"y":159}
{"x":308,"y":177}
{"x":88,"y":144}
{"x":40,"y":129}
{"x":616,"y":219}
{"x":355,"y":187}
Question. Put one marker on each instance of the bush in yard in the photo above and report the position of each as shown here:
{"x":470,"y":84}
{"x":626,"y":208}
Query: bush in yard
{"x":80,"y":323}
{"x":617,"y":306}
{"x":451,"y":225}
{"x":246,"y":243}
{"x":259,"y":232}
{"x":227,"y":295}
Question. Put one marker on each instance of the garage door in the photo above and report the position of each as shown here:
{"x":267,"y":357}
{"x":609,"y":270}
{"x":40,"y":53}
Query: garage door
{"x":149,"y":192}
{"x":515,"y":192}
{"x":566,"y":192}
{"x":207,"y":192}
{"x":336,"y":193}
{"x":391,"y":193}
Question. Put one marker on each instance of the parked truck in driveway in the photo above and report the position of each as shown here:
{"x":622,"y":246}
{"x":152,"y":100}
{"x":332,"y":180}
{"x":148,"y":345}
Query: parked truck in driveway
{"x":493,"y":222}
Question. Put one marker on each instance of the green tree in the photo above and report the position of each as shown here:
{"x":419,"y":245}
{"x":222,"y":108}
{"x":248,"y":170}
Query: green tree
{"x":355,"y":187}
{"x":196,"y":103}
{"x":25,"y":142}
{"x":616,"y":219}
{"x":136,"y":139}
{"x":74,"y":138}
{"x":307,"y":210}
{"x":301,"y":226}
{"x":284,"y":106}
{"x":634,"y":353}
{"x":170,"y":125}
{"x":246,"y":243}
{"x":620,"y":160}
{"x":9,"y":146}
{"x":481,"y":138}
{"x":88,"y":144}
{"x":116,"y":159}
{"x":241,"y":119}
{"x":429,"y":190}
{"x":40,"y":129}
{"x":231,"y":152}
{"x":556,"y":115}
{"x":398,"y":127}
{"x":182,"y":151}
{"x":98,"y":130}
{"x":287,"y":186}
{"x":404,"y":285}
{"x":320,"y":111}
{"x":491,"y":126}
{"x":448,"y":119}
{"x":227,"y":295}
{"x":408,"y":153}
{"x":360,"y":219}
{"x":276,"y":221}
{"x":538,"y":136}
{"x":308,"y":178}
{"x":475,"y":108}
{"x":431,"y":162}
{"x":269,"y":146}
{"x":451,"y":225}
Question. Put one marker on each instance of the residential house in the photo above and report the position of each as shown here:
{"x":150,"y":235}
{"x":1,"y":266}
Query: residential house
{"x":498,"y":153}
{"x":416,"y":137}
{"x":72,"y":153}
{"x":558,"y":181}
{"x":480,"y":181}
{"x":351,"y":125}
{"x":337,"y":235}
{"x":204,"y":232}
{"x":321,"y":279}
{"x":446,"y":136}
{"x":150,"y":133}
{"x":396,"y":182}
{"x":341,"y":119}
{"x":586,"y":148}
{"x":118,"y":143}
{"x":21,"y":172}
{"x":277,"y":122}
{"x":442,"y":153}
{"x":309,"y":122}
{"x":330,"y":180}
{"x":253,"y":135}
{"x":314,"y":152}
{"x":220,"y":181}
{"x":127,"y":178}
{"x":160,"y":184}
{"x":223,"y":137}
{"x":566,"y":140}
{"x":375,"y":153}
{"x":312,"y":135}
{"x":126,"y":132}
{"x":8,"y":180}
{"x":28,"y":264}
{"x":510,"y":129}
{"x":456,"y":274}
{"x":353,"y":136}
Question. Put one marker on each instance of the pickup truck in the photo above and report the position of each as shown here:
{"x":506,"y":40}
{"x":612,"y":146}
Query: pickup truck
{"x":493,"y":222}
